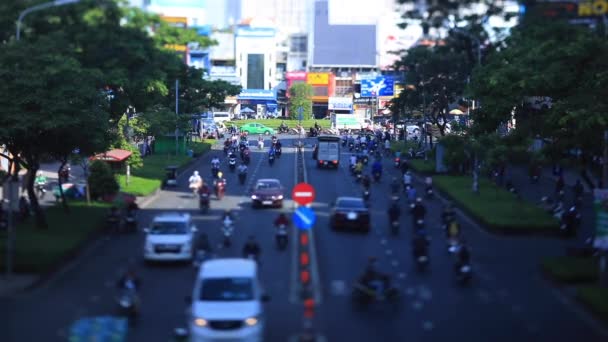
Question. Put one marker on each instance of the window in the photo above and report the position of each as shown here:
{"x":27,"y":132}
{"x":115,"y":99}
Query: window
{"x":169,"y":228}
{"x":255,"y":71}
{"x":298,"y":44}
{"x":227,"y":289}
{"x":320,"y":91}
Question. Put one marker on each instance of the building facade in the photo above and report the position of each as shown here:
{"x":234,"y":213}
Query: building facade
{"x":256,"y":57}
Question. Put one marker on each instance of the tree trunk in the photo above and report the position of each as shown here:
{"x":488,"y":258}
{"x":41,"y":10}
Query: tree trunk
{"x":64,"y":203}
{"x":31,"y":192}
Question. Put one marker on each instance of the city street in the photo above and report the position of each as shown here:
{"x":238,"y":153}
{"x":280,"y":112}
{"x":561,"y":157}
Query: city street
{"x":508,"y":299}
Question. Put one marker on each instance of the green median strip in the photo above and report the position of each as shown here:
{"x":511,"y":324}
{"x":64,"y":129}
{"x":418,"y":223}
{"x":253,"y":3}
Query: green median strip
{"x":422,"y":166}
{"x":596,"y":299}
{"x":570,"y":269}
{"x":39,"y":250}
{"x":495,"y":208}
{"x":147,"y":179}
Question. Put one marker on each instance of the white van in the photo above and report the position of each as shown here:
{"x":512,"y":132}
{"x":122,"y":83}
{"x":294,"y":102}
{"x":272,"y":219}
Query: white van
{"x":221,"y":116}
{"x":226,"y":303}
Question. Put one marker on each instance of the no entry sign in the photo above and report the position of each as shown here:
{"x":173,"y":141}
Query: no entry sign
{"x":303,"y":193}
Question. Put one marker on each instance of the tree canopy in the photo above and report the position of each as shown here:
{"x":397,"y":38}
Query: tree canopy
{"x":300,"y":95}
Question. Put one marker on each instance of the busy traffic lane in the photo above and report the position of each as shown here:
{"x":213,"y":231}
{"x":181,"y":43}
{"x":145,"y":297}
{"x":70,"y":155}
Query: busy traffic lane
{"x":506,"y":300}
{"x":89,"y":287}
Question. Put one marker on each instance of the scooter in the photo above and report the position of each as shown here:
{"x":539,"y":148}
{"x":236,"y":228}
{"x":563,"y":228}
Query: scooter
{"x":242,"y":177}
{"x":227,"y":230}
{"x":395,"y":227}
{"x":422,"y":261}
{"x":220,"y":189}
{"x":203,"y":202}
{"x":283,"y":129}
{"x":397,"y":162}
{"x":127,"y":303}
{"x":232,"y":163}
{"x":131,"y":222}
{"x":464,"y":273}
{"x":270,"y":160}
{"x":282,"y":237}
{"x":363,"y":295}
{"x":429,"y":192}
{"x":366,"y":195}
{"x":40,"y":189}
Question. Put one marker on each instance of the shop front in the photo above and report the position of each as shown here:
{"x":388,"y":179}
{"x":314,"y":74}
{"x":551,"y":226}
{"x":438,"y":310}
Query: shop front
{"x":257,"y":103}
{"x":323,"y":86}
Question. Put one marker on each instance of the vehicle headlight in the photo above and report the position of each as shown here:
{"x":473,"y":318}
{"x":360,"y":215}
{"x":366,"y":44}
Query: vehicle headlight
{"x":251,"y":321}
{"x":254,"y":197}
{"x":200,"y":322}
{"x":149,"y":246}
{"x":280,"y":197}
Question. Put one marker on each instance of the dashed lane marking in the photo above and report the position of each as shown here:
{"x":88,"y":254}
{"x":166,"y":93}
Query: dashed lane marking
{"x":402,"y":275}
{"x":389,"y":252}
{"x":395,"y":263}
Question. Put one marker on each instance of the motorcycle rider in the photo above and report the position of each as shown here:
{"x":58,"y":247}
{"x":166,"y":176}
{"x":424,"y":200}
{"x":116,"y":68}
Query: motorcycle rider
{"x":420,"y":245}
{"x":407,"y":180}
{"x":377,"y":168}
{"x":353,"y":161}
{"x":578,"y":190}
{"x":40,"y":180}
{"x":218,"y":181}
{"x":387,"y":146}
{"x":204,"y":189}
{"x":130,"y":281}
{"x":371,"y":276}
{"x":428,"y":183}
{"x":448,"y":215}
{"x":282,"y":126}
{"x":251,"y":248}
{"x":358,"y":167}
{"x":394,"y":213}
{"x":366,"y":182}
{"x":281,"y":220}
{"x":242,"y":169}
{"x":195,"y":181}
{"x":411,"y":195}
{"x":463,"y":257}
{"x":227,"y":217}
{"x":395,"y":186}
{"x":404,"y":166}
{"x":419,"y":210}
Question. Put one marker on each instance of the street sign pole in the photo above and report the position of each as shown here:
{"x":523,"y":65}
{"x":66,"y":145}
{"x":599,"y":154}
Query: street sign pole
{"x":300,"y":117}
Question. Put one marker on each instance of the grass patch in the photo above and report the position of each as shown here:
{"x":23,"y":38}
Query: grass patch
{"x":404,"y":146}
{"x":147,"y":179}
{"x":422,"y":166}
{"x":496,"y":208}
{"x":275,"y":123}
{"x":37,"y":250}
{"x":596,"y":299}
{"x":571,"y":269}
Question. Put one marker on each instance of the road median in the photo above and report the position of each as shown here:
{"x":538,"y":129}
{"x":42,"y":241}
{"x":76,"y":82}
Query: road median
{"x":496,"y":209}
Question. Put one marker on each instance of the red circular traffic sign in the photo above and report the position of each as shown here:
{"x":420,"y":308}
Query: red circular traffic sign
{"x":303,"y":193}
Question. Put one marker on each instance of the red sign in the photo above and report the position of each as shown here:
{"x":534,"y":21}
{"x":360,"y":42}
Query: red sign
{"x":303,"y":193}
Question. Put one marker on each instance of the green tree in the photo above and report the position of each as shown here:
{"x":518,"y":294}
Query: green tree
{"x":47,"y":112}
{"x":555,"y":60}
{"x":101,"y":180}
{"x":300,"y":95}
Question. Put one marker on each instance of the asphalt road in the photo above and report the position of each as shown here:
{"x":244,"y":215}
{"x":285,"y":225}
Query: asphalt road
{"x":508,"y":300}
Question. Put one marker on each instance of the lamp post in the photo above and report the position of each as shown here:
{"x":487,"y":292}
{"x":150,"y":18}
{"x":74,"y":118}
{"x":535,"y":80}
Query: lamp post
{"x":38,"y":8}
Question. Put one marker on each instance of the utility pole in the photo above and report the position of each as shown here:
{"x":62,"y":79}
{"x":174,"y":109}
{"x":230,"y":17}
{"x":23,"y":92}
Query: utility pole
{"x":176,"y":117}
{"x":605,"y":162}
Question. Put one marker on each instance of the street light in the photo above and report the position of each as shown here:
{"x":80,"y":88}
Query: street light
{"x":38,"y":8}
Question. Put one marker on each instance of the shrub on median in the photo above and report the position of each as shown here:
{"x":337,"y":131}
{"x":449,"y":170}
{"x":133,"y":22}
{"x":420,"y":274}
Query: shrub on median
{"x":423,"y":166}
{"x":496,"y":209}
{"x":571,"y":269}
{"x":38,"y":251}
{"x":596,"y":299}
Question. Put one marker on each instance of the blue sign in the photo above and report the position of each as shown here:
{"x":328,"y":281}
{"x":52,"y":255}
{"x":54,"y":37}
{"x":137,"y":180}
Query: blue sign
{"x":257,"y":94}
{"x":300,"y":116}
{"x":304,"y":218}
{"x":379,"y":86}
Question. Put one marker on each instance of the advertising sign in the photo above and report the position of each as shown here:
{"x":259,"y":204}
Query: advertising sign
{"x":340,"y":103}
{"x":363,"y":101}
{"x":601,"y":218}
{"x":317,"y":78}
{"x":378,"y":86}
{"x":257,"y":93}
{"x":295,"y":75}
{"x":397,"y":89}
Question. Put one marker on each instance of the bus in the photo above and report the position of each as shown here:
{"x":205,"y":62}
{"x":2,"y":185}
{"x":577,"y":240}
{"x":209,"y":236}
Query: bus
{"x":327,"y":151}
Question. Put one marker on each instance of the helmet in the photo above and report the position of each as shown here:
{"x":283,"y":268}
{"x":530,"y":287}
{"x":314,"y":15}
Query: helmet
{"x":227,"y":211}
{"x":220,"y":174}
{"x":39,"y":173}
{"x":196,"y":173}
{"x":418,"y":200}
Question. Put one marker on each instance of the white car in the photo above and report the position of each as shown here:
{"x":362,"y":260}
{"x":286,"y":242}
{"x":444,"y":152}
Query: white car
{"x":226,"y":304}
{"x":170,"y":238}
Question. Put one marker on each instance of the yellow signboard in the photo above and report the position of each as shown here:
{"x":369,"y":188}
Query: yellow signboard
{"x":317,"y":78}
{"x":176,"y":47}
{"x":397,"y":88}
{"x":175,"y":20}
{"x":592,"y":8}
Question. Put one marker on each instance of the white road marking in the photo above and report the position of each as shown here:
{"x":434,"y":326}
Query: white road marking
{"x":389,"y":252}
{"x":402,"y":275}
{"x":338,"y":287}
{"x":395,"y":263}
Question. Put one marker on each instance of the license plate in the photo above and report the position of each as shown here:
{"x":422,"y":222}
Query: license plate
{"x":266,"y":202}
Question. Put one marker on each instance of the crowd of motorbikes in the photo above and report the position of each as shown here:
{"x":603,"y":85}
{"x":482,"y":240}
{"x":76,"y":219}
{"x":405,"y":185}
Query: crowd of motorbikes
{"x":372,"y":285}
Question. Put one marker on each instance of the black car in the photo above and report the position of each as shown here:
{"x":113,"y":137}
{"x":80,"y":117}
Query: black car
{"x":267,"y":192}
{"x":350,"y":213}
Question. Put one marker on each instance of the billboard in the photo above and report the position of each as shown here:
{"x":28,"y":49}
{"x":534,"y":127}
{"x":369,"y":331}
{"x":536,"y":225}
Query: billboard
{"x":340,"y":103}
{"x":295,"y":75}
{"x":378,"y":86}
{"x":317,"y":78}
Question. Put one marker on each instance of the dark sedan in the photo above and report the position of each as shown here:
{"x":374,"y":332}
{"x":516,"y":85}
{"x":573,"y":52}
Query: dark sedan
{"x":350,"y":213}
{"x":267,"y":192}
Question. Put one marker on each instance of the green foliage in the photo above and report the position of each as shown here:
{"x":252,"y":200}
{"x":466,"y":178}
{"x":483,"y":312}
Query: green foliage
{"x":571,"y":269}
{"x":300,"y":95}
{"x":456,"y":153}
{"x":423,"y":166}
{"x":596,"y":298}
{"x":558,"y":60}
{"x":138,"y":186}
{"x":101,"y":179}
{"x":497,"y":209}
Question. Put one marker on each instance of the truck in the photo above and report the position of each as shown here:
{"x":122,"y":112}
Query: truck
{"x":327,"y":151}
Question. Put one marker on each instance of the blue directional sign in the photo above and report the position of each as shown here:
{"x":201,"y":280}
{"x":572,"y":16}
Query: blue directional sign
{"x":304,"y":218}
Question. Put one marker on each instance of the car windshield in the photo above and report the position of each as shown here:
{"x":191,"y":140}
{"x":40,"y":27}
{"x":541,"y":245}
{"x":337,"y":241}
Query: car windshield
{"x":267,"y":185}
{"x":169,"y":228}
{"x":227,"y":289}
{"x":350,"y":204}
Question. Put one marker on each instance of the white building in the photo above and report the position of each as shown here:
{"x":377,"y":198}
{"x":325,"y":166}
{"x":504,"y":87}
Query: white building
{"x":193,"y":10}
{"x":255,"y":52}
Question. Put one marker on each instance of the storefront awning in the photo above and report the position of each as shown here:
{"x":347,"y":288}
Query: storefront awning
{"x":115,"y":155}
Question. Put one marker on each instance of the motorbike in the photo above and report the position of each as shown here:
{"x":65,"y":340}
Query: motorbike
{"x":397,"y":162}
{"x":422,"y":261}
{"x":358,"y":176}
{"x":453,"y":245}
{"x":246,"y":159}
{"x":232,"y":163}
{"x":395,"y":226}
{"x":270,"y":160}
{"x":570,"y":221}
{"x":214,"y":170}
{"x":41,"y":190}
{"x":278,"y":152}
{"x":131,"y":222}
{"x":364,"y":295}
{"x":203,"y":202}
{"x":242,"y":177}
{"x":127,"y":303}
{"x":366,"y":195}
{"x":220,"y":188}
{"x":283,"y":129}
{"x":227,"y":230}
{"x":429,"y":191}
{"x":281,"y":237}
{"x":377,"y":176}
{"x":351,"y":146}
{"x":464,"y":273}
